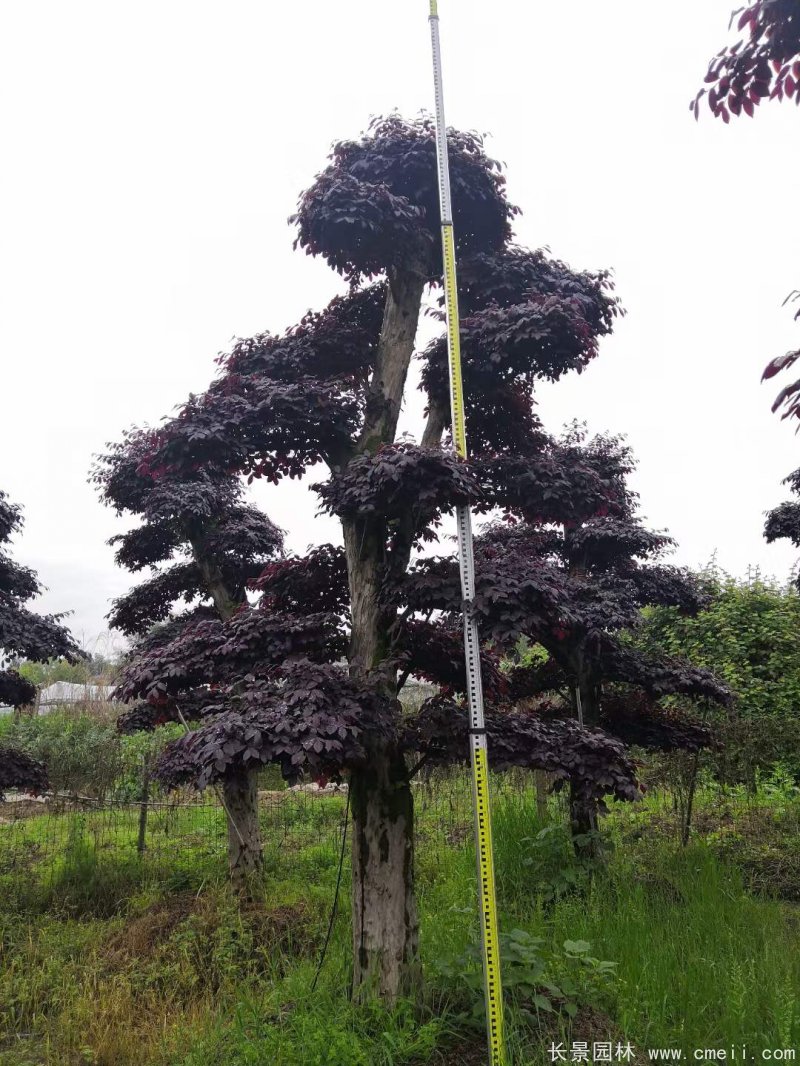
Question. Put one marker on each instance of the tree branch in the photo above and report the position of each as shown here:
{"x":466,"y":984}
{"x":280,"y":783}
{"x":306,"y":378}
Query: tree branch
{"x":225,"y":603}
{"x":434,"y":427}
{"x":395,"y":348}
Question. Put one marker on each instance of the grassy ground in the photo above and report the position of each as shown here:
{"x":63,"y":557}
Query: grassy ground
{"x":108,"y":960}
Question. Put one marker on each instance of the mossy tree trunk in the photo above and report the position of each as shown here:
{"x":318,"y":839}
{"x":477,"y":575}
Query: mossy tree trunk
{"x":385,"y":924}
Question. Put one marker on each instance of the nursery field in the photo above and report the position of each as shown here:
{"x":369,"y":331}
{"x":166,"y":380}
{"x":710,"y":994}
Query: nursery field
{"x":112,"y":956}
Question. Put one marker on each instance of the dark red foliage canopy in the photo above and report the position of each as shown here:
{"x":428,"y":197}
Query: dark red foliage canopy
{"x":435,"y":652}
{"x":159,"y":709}
{"x":318,"y":578}
{"x":573,"y":577}
{"x":213,"y":651}
{"x":283,"y":404}
{"x":314,"y":719}
{"x":339,"y":342}
{"x":398,"y":479}
{"x":377,"y":201}
{"x":639,"y":720}
{"x":199,"y":514}
{"x":595,"y":762}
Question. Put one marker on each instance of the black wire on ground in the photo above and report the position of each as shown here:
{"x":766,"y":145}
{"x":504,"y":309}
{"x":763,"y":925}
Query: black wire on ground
{"x":335,"y":906}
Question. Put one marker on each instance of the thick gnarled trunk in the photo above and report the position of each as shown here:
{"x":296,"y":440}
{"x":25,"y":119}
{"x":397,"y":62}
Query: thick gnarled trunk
{"x":385,"y":924}
{"x":245,"y":854}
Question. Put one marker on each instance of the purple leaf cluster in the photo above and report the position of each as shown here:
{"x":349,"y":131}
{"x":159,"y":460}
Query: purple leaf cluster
{"x":764,"y":64}
{"x":15,"y":690}
{"x":313,"y":719}
{"x":596,"y":764}
{"x":640,"y":721}
{"x":319,"y":578}
{"x":398,"y":479}
{"x":377,"y":202}
{"x":213,"y":652}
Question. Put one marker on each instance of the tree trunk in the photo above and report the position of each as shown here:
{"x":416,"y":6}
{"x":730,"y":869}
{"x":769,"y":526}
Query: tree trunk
{"x":245,"y":856}
{"x":691,"y":789}
{"x":395,"y":347}
{"x":385,"y":924}
{"x":583,"y":822}
{"x":540,"y":779}
{"x":583,"y":814}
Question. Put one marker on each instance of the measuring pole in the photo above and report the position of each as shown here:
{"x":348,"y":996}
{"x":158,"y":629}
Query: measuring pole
{"x":466,"y":561}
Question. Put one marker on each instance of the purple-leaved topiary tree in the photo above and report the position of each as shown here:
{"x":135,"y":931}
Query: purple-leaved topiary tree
{"x":327,"y":395}
{"x":202,"y":545}
{"x":573,"y":576}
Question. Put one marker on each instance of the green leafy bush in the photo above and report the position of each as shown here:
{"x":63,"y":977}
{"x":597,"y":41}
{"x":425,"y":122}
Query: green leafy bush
{"x":82,"y":752}
{"x":85,"y":755}
{"x":537,"y":976}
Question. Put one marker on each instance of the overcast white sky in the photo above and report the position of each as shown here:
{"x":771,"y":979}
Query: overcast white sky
{"x":152,"y":152}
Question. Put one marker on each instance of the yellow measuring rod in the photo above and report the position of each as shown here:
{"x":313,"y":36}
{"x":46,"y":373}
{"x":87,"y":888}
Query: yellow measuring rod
{"x":466,"y":560}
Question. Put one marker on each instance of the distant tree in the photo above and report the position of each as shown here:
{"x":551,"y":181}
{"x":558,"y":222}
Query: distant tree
{"x":747,"y":633}
{"x":201,"y":544}
{"x":764,"y":64}
{"x":43,"y":674}
{"x":329,"y":391}
{"x":573,"y":577}
{"x":23,"y":634}
{"x":783,"y":522}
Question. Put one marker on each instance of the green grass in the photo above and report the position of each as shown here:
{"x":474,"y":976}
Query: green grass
{"x":107,"y":959}
{"x":76,"y":859}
